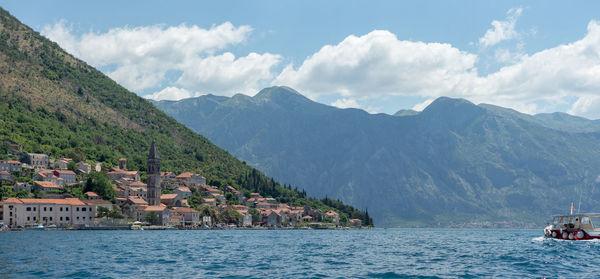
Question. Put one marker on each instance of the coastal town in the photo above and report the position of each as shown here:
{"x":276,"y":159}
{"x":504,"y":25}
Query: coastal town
{"x":58,"y":193}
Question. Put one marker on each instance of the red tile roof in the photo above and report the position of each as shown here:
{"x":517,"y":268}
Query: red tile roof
{"x":96,"y":202}
{"x":4,"y":173}
{"x":65,"y":172}
{"x":185,"y":210}
{"x":138,"y":184}
{"x":47,"y":184}
{"x":168,"y":196}
{"x":184,"y":189}
{"x":184,"y":175}
{"x":155,"y":208}
{"x":67,"y":201}
{"x":91,"y":194}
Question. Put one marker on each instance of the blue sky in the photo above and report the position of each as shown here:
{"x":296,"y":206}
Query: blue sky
{"x":382,"y":56}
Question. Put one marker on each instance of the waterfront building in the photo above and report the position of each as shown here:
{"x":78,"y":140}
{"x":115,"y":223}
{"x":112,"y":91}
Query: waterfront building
{"x":59,"y":212}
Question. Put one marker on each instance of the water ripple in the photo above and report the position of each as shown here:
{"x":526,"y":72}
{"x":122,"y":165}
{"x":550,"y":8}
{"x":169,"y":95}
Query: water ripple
{"x":378,"y":253}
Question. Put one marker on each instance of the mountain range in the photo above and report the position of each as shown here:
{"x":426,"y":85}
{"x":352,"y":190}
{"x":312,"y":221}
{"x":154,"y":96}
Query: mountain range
{"x":453,"y":162}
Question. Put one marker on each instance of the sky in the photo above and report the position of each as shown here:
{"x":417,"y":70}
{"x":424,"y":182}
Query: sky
{"x":380,"y":56}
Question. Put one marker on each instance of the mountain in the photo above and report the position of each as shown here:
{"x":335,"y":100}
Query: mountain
{"x":453,"y":162}
{"x":53,"y":103}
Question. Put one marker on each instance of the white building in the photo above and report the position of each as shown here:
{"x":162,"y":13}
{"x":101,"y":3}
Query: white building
{"x":59,"y":212}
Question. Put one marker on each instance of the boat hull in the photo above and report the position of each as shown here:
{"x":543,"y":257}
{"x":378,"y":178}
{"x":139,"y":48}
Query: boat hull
{"x":571,"y":234}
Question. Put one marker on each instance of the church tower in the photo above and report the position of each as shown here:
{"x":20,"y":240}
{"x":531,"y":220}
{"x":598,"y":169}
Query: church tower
{"x":153,"y":176}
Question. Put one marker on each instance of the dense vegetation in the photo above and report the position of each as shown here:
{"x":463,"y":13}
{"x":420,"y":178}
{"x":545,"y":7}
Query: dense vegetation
{"x":53,"y":103}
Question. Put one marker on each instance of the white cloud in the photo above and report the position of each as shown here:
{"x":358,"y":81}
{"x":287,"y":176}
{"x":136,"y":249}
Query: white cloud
{"x":587,"y":105}
{"x":378,"y":64}
{"x":421,"y":106}
{"x":503,"y":30}
{"x":345,"y":103}
{"x":171,"y":93}
{"x":139,"y":58}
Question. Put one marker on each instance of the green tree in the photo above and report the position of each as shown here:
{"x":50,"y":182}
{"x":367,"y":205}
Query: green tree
{"x":72,"y":166}
{"x":256,"y":217}
{"x":152,"y":218}
{"x":99,"y":183}
{"x":230,"y":217}
{"x":207,"y":210}
{"x":102,"y":212}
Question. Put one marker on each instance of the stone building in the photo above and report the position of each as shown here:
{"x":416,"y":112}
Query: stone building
{"x":153,"y":176}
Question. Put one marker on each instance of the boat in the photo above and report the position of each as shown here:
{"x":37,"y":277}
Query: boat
{"x":39,"y":227}
{"x":579,"y":226}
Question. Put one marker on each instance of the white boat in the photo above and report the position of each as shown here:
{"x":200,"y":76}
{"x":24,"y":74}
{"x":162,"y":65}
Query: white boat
{"x":39,"y":227}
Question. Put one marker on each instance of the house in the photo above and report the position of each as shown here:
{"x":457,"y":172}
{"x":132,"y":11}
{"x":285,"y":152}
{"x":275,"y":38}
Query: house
{"x":140,"y":192}
{"x":219,"y":197}
{"x":38,"y":161}
{"x":212,"y":202}
{"x":59,"y":212}
{"x":175,"y":220}
{"x":183,"y":192}
{"x":191,"y":179}
{"x":84,"y":167}
{"x":10,"y":166}
{"x":273,"y":218}
{"x":67,"y":176}
{"x":116,"y":174}
{"x":355,"y":222}
{"x":168,"y":199}
{"x":161,"y":211}
{"x":246,"y":218}
{"x":238,"y":195}
{"x":63,"y":163}
{"x":45,"y":186}
{"x":191,"y":217}
{"x":334,"y":216}
{"x":255,"y":195}
{"x":48,"y":176}
{"x":20,"y":186}
{"x":133,"y":207}
{"x":4,"y":175}
{"x":167,"y":175}
{"x":92,"y":196}
{"x":182,"y":203}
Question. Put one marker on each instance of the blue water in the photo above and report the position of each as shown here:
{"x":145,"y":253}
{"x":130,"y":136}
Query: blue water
{"x":377,"y":253}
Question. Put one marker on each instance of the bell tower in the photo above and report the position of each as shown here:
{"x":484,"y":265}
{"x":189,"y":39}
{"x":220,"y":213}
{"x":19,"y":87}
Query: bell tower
{"x":153,"y":176}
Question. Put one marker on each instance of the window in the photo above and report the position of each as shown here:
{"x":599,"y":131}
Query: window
{"x":50,"y":218}
{"x":34,"y":209}
{"x":66,"y":209}
{"x":28,"y":209}
{"x":60,"y":209}
{"x":67,"y":218}
{"x":83,"y":209}
{"x":44,"y":208}
{"x":10,"y":213}
{"x":84,"y":218}
{"x":77,"y":209}
{"x":28,"y":218}
{"x":33,"y":218}
{"x":60,"y":218}
{"x":50,"y":208}
{"x":77,"y":217}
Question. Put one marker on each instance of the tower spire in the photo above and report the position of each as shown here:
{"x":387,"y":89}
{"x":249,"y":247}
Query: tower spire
{"x":153,"y":153}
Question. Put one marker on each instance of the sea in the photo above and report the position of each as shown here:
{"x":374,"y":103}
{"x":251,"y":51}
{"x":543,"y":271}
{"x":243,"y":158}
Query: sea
{"x":366,"y":253}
